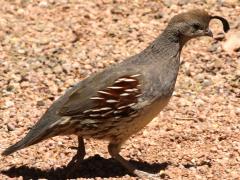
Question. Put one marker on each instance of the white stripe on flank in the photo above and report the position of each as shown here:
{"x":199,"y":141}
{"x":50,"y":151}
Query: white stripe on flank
{"x":124,"y":94}
{"x":135,"y":75}
{"x":96,"y":98}
{"x":114,"y":87}
{"x":125,"y":79}
{"x":104,"y":92}
{"x":131,"y":90}
{"x":64,"y":120}
{"x":94,"y":115}
{"x":132,"y":104}
{"x":122,"y":107}
{"x":112,"y":101}
{"x":86,"y":111}
{"x":116,"y":112}
{"x":107,"y":113}
{"x":101,"y":109}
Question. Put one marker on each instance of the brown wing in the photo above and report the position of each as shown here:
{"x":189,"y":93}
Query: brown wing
{"x":117,"y":100}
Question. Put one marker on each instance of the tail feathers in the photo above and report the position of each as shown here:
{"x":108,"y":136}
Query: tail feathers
{"x":43,"y":129}
{"x":19,"y":145}
{"x":25,"y":142}
{"x":37,"y":134}
{"x":28,"y":140}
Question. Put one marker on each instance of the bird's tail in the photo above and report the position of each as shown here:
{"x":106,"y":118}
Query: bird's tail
{"x":37,"y":134}
{"x":30,"y":139}
{"x":19,"y":145}
{"x":25,"y":142}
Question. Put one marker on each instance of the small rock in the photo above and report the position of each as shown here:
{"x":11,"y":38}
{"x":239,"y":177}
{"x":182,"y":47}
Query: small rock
{"x":187,"y":69}
{"x":206,"y":83}
{"x":25,"y":84}
{"x":159,"y":15}
{"x":100,"y":65}
{"x":168,"y":3}
{"x":44,"y":41}
{"x":10,"y":88}
{"x":237,"y":111}
{"x":199,"y":102}
{"x":21,"y":51}
{"x":200,"y":77}
{"x":10,"y":127}
{"x":236,"y":25}
{"x":66,"y":67}
{"x":40,"y":103}
{"x":213,"y":48}
{"x":20,"y":11}
{"x":183,"y":2}
{"x":211,"y":2}
{"x":233,"y":42}
{"x":17,"y":77}
{"x":231,"y":3}
{"x":87,"y":66}
{"x":43,"y":4}
{"x":184,"y":102}
{"x":57,"y":69}
{"x":220,"y":36}
{"x":76,"y":65}
{"x":8,"y":104}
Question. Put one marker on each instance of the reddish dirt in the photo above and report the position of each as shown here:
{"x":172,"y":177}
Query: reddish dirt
{"x":46,"y":46}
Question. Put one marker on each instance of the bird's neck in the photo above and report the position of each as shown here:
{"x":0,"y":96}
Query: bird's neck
{"x":168,"y":44}
{"x":173,"y":34}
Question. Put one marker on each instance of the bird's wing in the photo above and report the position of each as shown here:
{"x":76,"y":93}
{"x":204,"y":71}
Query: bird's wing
{"x":116,"y":98}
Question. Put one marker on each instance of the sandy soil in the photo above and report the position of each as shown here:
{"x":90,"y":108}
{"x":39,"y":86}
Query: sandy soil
{"x":46,"y":46}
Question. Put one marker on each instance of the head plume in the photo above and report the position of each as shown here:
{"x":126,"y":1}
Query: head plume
{"x":198,"y":15}
{"x":225,"y":23}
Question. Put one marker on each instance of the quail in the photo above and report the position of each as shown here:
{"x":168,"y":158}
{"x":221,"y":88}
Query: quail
{"x":122,"y":99}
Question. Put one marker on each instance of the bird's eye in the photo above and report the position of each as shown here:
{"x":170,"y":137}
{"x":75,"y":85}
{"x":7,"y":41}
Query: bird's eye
{"x":197,"y":26}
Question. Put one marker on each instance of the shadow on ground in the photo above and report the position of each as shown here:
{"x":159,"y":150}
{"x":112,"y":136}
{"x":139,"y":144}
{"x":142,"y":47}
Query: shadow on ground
{"x":91,"y":167}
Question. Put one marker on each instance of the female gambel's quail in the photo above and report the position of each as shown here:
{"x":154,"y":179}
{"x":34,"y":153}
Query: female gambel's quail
{"x":119,"y":101}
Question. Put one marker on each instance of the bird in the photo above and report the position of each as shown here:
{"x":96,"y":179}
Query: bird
{"x":119,"y":101}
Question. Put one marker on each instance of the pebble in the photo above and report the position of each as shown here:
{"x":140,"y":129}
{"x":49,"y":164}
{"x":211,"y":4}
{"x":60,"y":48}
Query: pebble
{"x":159,"y":15}
{"x":88,"y":66}
{"x":40,"y":103}
{"x":183,"y":2}
{"x":232,"y":43}
{"x":213,"y":47}
{"x":200,"y":77}
{"x":237,"y":111}
{"x":43,"y":4}
{"x":21,"y":51}
{"x":199,"y":102}
{"x":10,"y":127}
{"x":8,"y":104}
{"x":220,"y":36}
{"x":66,"y":67}
{"x":168,"y":3}
{"x":57,"y":69}
{"x":231,"y":3}
{"x":206,"y":83}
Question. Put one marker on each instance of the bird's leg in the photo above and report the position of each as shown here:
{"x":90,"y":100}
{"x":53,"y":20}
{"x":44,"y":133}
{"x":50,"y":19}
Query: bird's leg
{"x":78,"y":158}
{"x":114,"y":150}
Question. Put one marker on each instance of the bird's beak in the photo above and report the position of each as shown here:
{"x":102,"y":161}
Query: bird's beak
{"x":208,"y":32}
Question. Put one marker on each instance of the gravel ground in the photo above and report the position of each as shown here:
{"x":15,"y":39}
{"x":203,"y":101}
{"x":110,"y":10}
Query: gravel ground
{"x":46,"y":46}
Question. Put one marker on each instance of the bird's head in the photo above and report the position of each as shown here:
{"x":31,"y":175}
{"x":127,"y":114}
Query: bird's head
{"x":193,"y":24}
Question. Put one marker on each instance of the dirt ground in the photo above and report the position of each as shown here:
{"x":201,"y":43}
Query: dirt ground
{"x":46,"y":46}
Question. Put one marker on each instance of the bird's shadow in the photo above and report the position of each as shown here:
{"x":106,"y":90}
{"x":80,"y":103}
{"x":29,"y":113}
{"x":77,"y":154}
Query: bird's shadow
{"x":91,"y":167}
